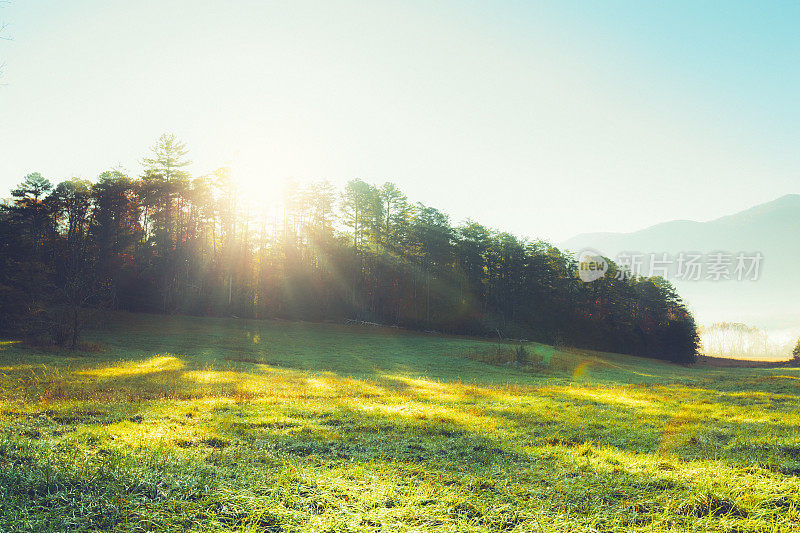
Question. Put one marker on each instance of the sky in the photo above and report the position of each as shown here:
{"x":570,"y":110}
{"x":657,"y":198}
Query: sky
{"x":546,"y":119}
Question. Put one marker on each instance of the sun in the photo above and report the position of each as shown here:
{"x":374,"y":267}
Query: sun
{"x":257,"y":184}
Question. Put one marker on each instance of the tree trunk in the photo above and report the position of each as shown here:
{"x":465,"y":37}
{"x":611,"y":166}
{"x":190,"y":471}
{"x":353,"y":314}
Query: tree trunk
{"x":75,"y":326}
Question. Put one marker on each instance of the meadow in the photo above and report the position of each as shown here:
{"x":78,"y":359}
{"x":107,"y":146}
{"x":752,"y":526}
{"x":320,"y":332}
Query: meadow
{"x":196,"y":424}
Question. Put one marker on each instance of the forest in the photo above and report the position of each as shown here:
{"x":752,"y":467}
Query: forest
{"x":173,"y":243}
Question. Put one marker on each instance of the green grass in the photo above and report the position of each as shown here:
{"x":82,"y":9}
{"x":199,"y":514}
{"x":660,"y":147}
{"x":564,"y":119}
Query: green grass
{"x":188,"y":424}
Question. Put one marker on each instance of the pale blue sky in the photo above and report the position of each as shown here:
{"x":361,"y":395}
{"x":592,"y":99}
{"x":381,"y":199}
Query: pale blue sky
{"x":545,"y":119}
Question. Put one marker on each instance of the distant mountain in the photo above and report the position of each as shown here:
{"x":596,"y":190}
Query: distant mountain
{"x":773,"y":229}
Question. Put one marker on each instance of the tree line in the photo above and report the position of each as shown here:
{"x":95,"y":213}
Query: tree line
{"x":170,"y":242}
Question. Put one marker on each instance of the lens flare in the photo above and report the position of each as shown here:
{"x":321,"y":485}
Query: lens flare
{"x":581,"y":369}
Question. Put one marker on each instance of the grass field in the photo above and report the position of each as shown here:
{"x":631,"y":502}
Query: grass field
{"x":188,"y":424}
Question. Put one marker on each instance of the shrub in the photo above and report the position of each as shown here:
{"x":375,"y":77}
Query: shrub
{"x":521,"y":355}
{"x":59,"y":325}
{"x":504,"y":354}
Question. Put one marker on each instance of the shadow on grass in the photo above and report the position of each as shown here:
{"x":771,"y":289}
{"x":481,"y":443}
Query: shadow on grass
{"x":242,"y":470}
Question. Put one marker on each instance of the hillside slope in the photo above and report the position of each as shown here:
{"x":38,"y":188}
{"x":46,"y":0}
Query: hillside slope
{"x":189,"y":424}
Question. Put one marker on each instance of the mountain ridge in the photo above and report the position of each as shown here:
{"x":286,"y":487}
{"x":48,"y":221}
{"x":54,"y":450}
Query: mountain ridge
{"x":787,"y":201}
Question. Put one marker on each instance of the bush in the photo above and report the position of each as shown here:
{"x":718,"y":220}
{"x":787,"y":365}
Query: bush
{"x":504,"y":354}
{"x":521,"y":355}
{"x":13,"y":308}
{"x":59,"y":326}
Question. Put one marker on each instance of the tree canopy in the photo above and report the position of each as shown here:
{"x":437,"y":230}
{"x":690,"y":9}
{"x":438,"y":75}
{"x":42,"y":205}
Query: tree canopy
{"x":170,"y":242}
